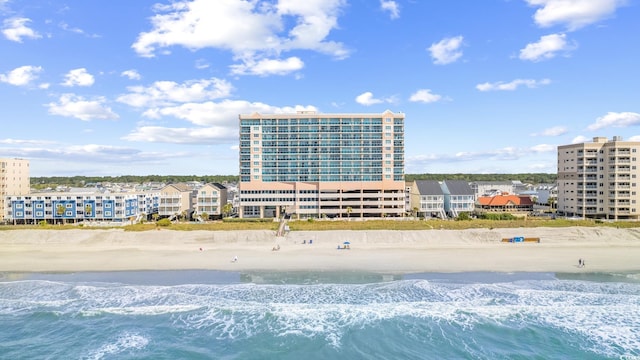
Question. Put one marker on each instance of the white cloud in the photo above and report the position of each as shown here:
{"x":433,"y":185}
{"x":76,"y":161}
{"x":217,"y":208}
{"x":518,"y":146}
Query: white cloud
{"x":160,"y":134}
{"x":543,"y":148}
{"x":446,"y":50}
{"x":579,"y":139}
{"x":513,"y":85}
{"x":21,"y":76}
{"x":131,"y":74}
{"x":392,"y":7}
{"x":202,"y":64}
{"x":613,"y":119}
{"x":425,"y":96}
{"x":573,"y":13}
{"x":552,"y":131}
{"x":266,"y":67}
{"x":162,"y":93}
{"x":367,"y":99}
{"x":216,"y":122}
{"x":546,"y":48}
{"x":70,"y":105}
{"x":78,"y":77}
{"x":263,"y":32}
{"x":634,"y":138}
{"x":15,"y":29}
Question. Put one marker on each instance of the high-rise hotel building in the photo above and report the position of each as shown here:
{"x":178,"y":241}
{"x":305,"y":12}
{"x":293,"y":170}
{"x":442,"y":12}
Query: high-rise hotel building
{"x":322,"y":165}
{"x":599,"y":179}
{"x":14,"y":180}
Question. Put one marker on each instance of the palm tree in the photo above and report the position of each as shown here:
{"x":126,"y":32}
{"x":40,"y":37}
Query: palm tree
{"x":226,"y":209}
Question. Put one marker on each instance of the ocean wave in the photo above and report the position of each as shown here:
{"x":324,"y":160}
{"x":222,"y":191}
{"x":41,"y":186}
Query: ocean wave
{"x":605,"y":315}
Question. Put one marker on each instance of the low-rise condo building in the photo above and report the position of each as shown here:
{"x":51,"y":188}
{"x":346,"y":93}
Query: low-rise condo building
{"x":599,"y":179}
{"x":322,"y":165}
{"x":77,"y":207}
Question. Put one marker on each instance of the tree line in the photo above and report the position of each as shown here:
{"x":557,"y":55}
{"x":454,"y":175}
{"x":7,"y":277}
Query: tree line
{"x":81,"y":181}
{"x":526,"y":178}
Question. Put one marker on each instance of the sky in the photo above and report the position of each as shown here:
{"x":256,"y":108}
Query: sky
{"x":111,"y":88}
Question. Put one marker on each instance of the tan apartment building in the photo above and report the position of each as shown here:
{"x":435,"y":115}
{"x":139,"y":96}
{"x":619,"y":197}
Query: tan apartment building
{"x":14,"y":180}
{"x":210,"y":200}
{"x":176,"y":200}
{"x":599,"y":179}
{"x":319,"y":165}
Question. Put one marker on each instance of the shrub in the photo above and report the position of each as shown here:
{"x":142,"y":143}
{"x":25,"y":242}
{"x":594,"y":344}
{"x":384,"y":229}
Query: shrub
{"x":497,"y":216}
{"x":164,"y":222}
{"x":463,"y":216}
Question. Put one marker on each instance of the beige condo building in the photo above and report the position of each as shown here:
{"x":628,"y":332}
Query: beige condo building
{"x":599,"y":179}
{"x":322,"y":165}
{"x":14,"y":180}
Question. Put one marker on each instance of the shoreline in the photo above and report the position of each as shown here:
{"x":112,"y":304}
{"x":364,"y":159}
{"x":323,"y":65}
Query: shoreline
{"x":605,"y":250}
{"x":301,"y":277}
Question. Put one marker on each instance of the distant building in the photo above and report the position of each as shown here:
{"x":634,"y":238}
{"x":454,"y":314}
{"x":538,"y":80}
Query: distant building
{"x":492,"y":188}
{"x":210,"y":199}
{"x":599,"y":179}
{"x":546,"y":194}
{"x":14,"y":180}
{"x":507,"y":203}
{"x":441,"y":199}
{"x":176,"y":200}
{"x":322,"y":165}
{"x":76,"y":207}
{"x":427,"y":197}
{"x":458,"y":197}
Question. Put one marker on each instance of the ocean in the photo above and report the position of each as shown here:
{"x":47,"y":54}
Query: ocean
{"x":319,"y":315}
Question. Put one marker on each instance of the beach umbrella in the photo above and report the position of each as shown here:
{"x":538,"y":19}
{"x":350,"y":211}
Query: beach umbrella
{"x":346,"y":243}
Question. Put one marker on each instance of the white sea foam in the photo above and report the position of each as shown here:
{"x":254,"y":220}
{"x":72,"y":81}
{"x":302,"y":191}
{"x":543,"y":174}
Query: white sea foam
{"x":126,"y":341}
{"x":605,"y":314}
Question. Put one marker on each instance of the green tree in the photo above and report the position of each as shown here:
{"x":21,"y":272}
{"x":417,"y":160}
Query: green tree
{"x":227,"y":209}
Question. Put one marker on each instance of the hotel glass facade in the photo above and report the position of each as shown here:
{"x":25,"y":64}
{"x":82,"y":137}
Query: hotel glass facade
{"x":599,"y":179}
{"x":317,"y":165}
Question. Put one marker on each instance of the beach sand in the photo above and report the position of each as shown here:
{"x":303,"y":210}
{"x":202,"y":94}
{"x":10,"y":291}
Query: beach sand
{"x":603,"y":250}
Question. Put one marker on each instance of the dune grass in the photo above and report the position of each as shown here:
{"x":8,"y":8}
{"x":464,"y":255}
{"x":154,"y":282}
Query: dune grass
{"x":344,"y":224}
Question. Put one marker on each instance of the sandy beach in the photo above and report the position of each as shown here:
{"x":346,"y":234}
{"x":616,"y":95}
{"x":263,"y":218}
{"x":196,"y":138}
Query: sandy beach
{"x":603,"y":250}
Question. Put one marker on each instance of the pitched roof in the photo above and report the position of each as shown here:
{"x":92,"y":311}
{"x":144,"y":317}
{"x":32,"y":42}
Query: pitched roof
{"x":459,"y":187}
{"x":429,"y":187}
{"x":502,"y":200}
{"x":218,"y":185}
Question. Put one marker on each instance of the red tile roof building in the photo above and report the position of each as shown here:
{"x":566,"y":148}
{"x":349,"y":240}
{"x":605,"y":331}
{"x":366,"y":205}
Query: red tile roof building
{"x":505,"y":203}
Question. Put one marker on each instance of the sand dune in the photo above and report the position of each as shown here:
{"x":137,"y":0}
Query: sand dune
{"x":604,"y":249}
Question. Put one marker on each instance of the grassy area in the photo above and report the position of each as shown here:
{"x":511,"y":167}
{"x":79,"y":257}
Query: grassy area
{"x":303,"y":225}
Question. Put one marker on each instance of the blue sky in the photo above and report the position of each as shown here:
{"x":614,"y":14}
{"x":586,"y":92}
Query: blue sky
{"x":109,"y":88}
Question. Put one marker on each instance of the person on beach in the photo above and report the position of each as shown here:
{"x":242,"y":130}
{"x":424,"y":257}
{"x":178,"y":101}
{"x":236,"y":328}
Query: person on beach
{"x":235,"y":259}
{"x":580,"y":262}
